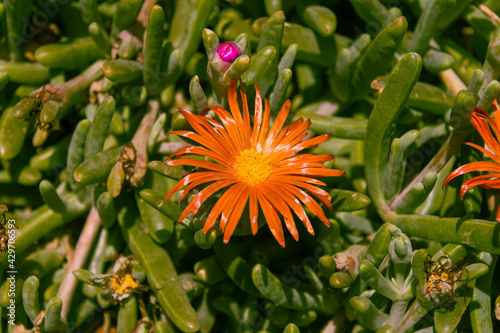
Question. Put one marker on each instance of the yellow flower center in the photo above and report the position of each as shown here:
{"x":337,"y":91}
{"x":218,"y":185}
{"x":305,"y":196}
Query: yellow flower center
{"x":123,"y":284}
{"x":252,"y":167}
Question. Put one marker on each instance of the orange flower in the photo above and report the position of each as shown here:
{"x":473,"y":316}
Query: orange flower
{"x":482,"y":122}
{"x":258,"y":165}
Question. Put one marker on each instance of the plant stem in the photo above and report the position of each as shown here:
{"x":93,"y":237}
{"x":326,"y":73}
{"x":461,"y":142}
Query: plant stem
{"x":412,"y":316}
{"x":82,"y":81}
{"x":491,"y":14}
{"x":171,"y":147}
{"x":398,"y":309}
{"x":479,"y":234}
{"x":490,"y":74}
{"x":438,"y":161}
{"x":144,"y":13}
{"x":78,"y":259}
{"x":449,"y":147}
{"x":453,"y":81}
{"x":140,"y":142}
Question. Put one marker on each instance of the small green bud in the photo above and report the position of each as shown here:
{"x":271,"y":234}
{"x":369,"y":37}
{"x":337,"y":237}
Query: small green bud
{"x":24,"y":107}
{"x":340,"y":280}
{"x":205,"y":240}
{"x":84,"y":276}
{"x":400,"y":249}
{"x":326,"y":265}
{"x":115,"y":179}
{"x":49,"y":111}
{"x":462,"y":110}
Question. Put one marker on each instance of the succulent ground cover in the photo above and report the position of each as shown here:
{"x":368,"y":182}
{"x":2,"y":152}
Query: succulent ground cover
{"x":249,"y":166}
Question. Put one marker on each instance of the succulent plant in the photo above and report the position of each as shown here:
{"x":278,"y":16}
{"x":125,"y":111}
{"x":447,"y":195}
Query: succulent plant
{"x":363,"y":125}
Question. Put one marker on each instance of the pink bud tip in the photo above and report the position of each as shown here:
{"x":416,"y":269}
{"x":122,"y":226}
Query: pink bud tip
{"x":228,"y":51}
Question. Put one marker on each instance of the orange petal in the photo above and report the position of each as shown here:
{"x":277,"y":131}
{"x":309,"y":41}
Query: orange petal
{"x":225,"y":199}
{"x":198,"y":163}
{"x":270,"y":147}
{"x":318,"y":172}
{"x":283,"y":208}
{"x":195,"y":203}
{"x":211,"y":138}
{"x":284,"y":151}
{"x":319,"y":193}
{"x":188,"y":179}
{"x":204,"y":180}
{"x":480,"y":120}
{"x":295,"y":124}
{"x":309,"y":202}
{"x":220,"y":134}
{"x":483,"y":180}
{"x":232,"y":97}
{"x":296,"y":135}
{"x":253,"y":211}
{"x":294,"y":203}
{"x":321,"y":172}
{"x":246,"y":114}
{"x":257,"y":117}
{"x":209,"y":143}
{"x":306,"y":158}
{"x":235,"y":215}
{"x":225,"y":159}
{"x":311,"y":142}
{"x":265,"y":125}
{"x":471,"y":167}
{"x":273,"y":221}
{"x":484,"y":151}
{"x":286,"y":178}
{"x":277,"y":124}
{"x":230,"y":126}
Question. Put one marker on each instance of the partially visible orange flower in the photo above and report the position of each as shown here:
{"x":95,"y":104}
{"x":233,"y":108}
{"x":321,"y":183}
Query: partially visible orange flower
{"x":254,"y":165}
{"x":482,"y":122}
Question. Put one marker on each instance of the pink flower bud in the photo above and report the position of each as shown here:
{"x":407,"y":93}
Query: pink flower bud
{"x":228,"y":51}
